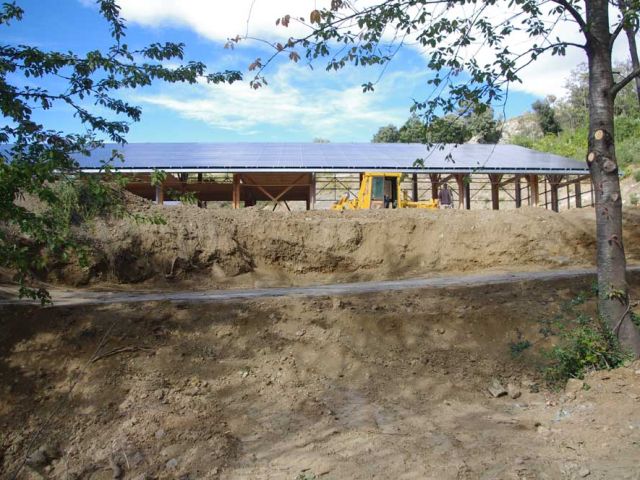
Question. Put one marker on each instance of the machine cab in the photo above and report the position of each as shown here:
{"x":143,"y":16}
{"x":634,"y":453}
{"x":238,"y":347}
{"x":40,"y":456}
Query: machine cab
{"x":384,"y":191}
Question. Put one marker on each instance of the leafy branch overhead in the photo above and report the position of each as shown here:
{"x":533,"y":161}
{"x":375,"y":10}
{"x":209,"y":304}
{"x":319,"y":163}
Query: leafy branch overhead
{"x":36,"y":156}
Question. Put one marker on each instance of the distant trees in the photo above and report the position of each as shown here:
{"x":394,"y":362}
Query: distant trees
{"x":414,"y":130}
{"x":546,"y":116}
{"x":461,"y":127}
{"x":571,"y":114}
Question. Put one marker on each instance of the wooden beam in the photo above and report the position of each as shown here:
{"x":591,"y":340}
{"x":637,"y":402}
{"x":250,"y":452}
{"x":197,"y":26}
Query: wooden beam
{"x":236,"y":191}
{"x":467,"y":193}
{"x":311,"y":195}
{"x":160,"y":194}
{"x":508,"y":181}
{"x":461,"y":181}
{"x":578,"y":192}
{"x":554,"y":181}
{"x":495,"y":178}
{"x":435,"y":184}
{"x":414,"y":181}
{"x":569,"y":181}
{"x":534,"y":190}
{"x":518,"y":191}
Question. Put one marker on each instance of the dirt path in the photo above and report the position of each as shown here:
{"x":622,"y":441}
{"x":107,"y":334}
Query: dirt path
{"x":359,"y":386}
{"x":83,"y":297}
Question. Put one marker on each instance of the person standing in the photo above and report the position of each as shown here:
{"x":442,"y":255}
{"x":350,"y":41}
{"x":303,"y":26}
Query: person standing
{"x":444,"y":197}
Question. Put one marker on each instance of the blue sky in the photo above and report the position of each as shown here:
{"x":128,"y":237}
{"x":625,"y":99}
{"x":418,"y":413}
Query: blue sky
{"x":298,"y":105}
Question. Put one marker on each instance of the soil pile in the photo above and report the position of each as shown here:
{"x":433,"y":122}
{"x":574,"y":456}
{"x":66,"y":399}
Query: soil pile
{"x":207,"y":248}
{"x":387,"y":386}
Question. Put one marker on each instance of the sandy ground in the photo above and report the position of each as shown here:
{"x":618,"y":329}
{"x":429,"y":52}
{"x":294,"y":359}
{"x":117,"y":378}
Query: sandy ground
{"x":390,"y":386}
{"x":207,"y":248}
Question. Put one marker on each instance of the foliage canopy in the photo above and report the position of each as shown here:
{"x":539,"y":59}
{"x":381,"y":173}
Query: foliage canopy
{"x":35,"y":158}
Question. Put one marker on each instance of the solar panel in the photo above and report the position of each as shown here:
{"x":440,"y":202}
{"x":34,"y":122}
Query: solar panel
{"x":331,"y":157}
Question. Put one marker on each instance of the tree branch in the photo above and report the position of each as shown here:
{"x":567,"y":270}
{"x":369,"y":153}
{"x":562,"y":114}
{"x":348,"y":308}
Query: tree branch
{"x":623,"y":83}
{"x":615,"y":33}
{"x":574,"y":13}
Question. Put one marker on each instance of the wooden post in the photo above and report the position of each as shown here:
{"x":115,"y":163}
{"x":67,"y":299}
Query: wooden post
{"x":578,"y":192}
{"x":311,"y":199}
{"x":495,"y":178}
{"x":199,"y":177}
{"x":534,"y":188}
{"x":160,"y":194}
{"x":236,"y":190}
{"x":554,"y":180}
{"x":460,"y":180}
{"x":435,"y":185}
{"x":415,"y":187}
{"x":518,"y":191}
{"x":467,"y":192}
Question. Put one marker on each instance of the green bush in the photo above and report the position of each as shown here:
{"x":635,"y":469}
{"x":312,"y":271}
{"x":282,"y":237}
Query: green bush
{"x":633,"y":198}
{"x":627,"y":151}
{"x":636,"y":176}
{"x":518,"y":347}
{"x":590,"y":345}
{"x":84,"y":198}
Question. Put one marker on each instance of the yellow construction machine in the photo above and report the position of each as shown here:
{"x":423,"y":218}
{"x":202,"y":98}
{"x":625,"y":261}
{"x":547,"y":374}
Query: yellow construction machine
{"x":380,"y":190}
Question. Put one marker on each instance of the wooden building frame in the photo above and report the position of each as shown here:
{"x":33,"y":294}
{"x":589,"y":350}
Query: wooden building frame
{"x":497,"y":176}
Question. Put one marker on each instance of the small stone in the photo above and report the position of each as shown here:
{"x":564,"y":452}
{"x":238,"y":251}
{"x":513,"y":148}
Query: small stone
{"x":171,"y":464}
{"x":514,"y":392}
{"x":441,"y":331}
{"x":160,"y":434}
{"x":300,"y":333}
{"x":584,"y":472}
{"x":496,"y":389}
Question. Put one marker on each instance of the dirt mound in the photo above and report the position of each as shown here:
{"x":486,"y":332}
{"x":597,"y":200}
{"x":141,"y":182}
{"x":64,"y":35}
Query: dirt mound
{"x":388,"y":386}
{"x":222,"y":248}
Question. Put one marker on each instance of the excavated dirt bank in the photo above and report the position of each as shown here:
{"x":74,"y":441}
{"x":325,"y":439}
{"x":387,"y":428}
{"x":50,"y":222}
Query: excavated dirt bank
{"x":202,"y":248}
{"x":387,"y":386}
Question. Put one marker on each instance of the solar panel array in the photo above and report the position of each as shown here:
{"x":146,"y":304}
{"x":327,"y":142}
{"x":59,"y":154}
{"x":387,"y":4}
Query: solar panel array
{"x":331,"y":157}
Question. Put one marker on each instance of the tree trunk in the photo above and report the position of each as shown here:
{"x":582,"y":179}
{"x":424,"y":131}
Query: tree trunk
{"x":631,"y":31}
{"x":613,"y":299}
{"x":633,"y":51}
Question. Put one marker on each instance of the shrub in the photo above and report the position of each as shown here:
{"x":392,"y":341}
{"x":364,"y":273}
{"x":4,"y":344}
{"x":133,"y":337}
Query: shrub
{"x":636,"y":176}
{"x":633,"y":198}
{"x":518,"y":347}
{"x":589,"y":346}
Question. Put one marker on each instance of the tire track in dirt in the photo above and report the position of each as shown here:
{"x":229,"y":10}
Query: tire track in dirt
{"x":68,"y":297}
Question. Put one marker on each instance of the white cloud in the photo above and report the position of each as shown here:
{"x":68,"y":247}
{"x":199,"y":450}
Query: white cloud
{"x":219,"y":20}
{"x":315,"y":108}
